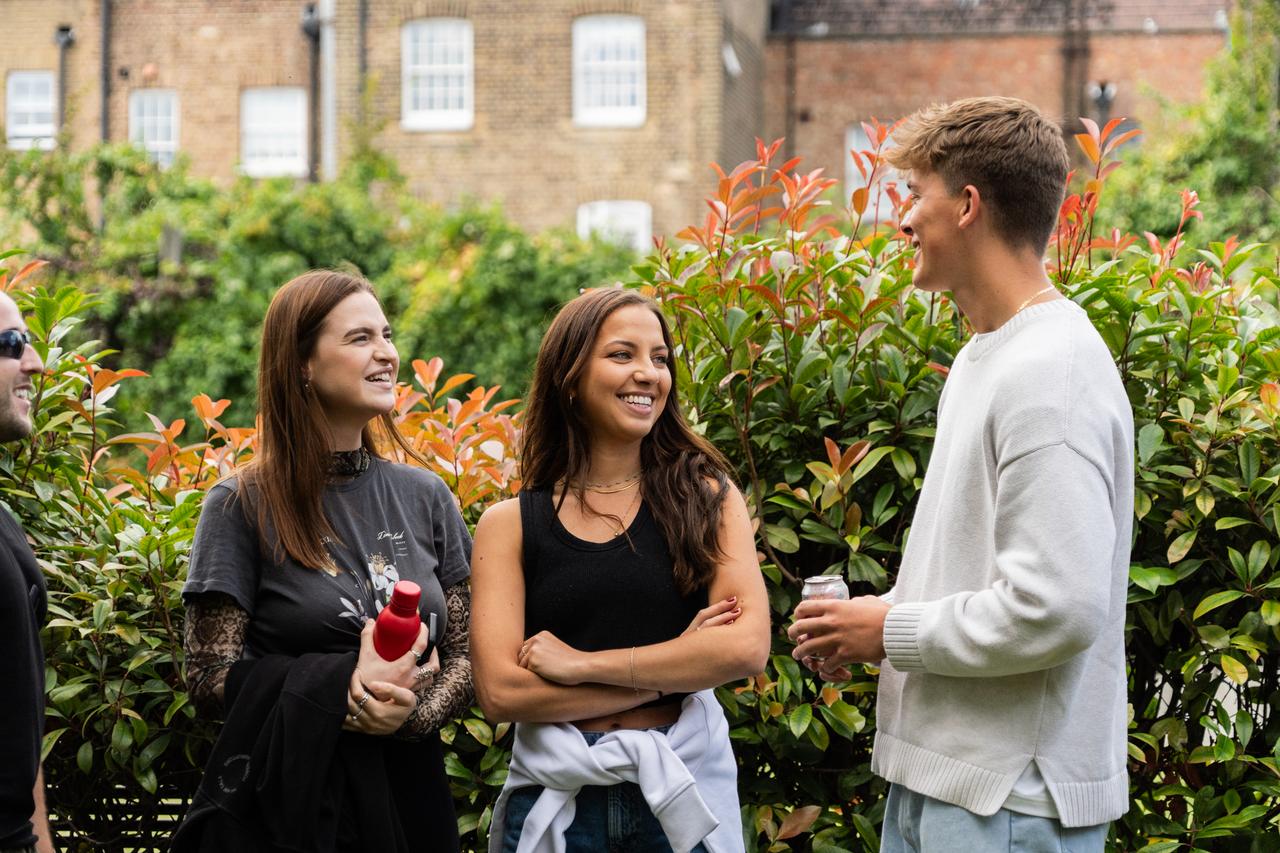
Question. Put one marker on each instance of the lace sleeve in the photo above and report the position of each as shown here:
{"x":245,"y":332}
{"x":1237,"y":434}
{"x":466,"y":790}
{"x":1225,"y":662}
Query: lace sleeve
{"x":213,"y":640}
{"x":451,"y":692}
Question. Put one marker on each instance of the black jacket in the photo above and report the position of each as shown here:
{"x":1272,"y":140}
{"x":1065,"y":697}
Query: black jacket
{"x":283,"y":775}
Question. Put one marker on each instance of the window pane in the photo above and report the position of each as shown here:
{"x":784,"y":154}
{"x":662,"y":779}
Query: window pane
{"x":30,"y":109}
{"x":627,"y":222}
{"x":437,"y":74}
{"x":273,"y":131}
{"x":609,"y":70}
{"x":153,"y":122}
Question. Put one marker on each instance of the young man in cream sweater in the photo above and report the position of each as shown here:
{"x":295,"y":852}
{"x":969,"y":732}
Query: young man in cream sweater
{"x":1001,"y":714}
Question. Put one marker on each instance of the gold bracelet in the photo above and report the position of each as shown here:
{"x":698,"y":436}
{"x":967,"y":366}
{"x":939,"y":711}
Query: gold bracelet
{"x":633,"y":671}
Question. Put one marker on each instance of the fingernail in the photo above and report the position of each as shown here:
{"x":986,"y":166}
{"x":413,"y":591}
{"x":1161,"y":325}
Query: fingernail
{"x":737,"y":610}
{"x":733,"y":598}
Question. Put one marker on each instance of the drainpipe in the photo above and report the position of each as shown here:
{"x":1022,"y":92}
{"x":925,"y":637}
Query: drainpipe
{"x":328,"y":93}
{"x":64,"y":38}
{"x":789,"y":115}
{"x":311,"y":30}
{"x":1075,"y":63}
{"x":104,"y":77}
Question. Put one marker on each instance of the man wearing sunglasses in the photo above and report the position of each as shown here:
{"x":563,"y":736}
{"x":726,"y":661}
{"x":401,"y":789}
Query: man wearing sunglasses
{"x":24,"y":825}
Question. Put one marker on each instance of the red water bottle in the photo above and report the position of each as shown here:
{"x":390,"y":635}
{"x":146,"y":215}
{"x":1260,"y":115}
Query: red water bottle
{"x":398,"y":624}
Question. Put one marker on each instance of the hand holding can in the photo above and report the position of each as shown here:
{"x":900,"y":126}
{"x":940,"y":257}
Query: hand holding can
{"x":822,"y":587}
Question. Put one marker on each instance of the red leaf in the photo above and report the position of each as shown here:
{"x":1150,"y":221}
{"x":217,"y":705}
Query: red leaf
{"x":798,"y":821}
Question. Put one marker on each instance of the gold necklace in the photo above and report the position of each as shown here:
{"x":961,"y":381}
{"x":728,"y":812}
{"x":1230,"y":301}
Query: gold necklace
{"x":609,"y":488}
{"x":1029,"y":299}
{"x":622,"y":519}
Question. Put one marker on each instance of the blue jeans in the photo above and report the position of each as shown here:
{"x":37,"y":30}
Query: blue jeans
{"x":914,"y":823}
{"x":606,"y":819}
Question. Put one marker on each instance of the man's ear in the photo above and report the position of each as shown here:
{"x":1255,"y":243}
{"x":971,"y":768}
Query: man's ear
{"x":970,"y":206}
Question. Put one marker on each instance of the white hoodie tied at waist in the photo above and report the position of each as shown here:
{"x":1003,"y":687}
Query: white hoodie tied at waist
{"x":688,"y":777}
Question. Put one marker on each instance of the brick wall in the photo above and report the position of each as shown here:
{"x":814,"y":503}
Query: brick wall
{"x":29,"y":27}
{"x":524,"y":148}
{"x":839,"y":82}
{"x":208,"y":50}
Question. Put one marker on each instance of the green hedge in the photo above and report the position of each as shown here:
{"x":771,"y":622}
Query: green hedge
{"x":810,"y":360}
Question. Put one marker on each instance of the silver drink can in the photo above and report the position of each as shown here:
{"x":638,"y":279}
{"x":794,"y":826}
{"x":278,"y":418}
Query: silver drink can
{"x":824,"y":587}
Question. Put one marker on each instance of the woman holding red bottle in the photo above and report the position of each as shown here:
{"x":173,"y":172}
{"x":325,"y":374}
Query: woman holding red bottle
{"x":325,"y":746}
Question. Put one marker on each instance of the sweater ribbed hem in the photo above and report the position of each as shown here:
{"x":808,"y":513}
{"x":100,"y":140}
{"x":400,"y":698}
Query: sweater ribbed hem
{"x":984,"y":792}
{"x":1090,"y":803}
{"x":951,"y":780}
{"x":902,"y":636}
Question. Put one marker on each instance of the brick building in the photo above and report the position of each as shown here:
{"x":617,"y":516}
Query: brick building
{"x":603,"y":113}
{"x":597,"y":113}
{"x":833,"y":64}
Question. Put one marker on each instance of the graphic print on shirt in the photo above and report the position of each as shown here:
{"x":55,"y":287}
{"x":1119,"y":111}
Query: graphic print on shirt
{"x":380,"y":575}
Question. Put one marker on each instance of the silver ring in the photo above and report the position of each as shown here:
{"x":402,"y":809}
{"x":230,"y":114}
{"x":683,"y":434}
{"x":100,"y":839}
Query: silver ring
{"x":363,"y":699}
{"x":423,"y":672}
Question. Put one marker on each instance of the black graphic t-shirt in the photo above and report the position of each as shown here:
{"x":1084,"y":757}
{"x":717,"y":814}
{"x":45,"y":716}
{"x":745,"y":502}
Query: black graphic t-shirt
{"x":394,"y":522}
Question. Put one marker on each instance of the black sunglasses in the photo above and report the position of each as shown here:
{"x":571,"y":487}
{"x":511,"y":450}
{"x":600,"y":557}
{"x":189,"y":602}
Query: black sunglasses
{"x":13,"y":343}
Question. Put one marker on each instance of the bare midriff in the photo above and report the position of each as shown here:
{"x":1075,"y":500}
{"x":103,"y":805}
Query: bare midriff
{"x":636,"y":718}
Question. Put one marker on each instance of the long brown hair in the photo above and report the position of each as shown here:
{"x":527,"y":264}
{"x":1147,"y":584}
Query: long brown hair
{"x":679,"y":465}
{"x":284,"y":483}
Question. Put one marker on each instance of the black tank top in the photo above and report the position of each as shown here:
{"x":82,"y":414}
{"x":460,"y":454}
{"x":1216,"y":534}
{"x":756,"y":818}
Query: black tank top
{"x":601,"y":595}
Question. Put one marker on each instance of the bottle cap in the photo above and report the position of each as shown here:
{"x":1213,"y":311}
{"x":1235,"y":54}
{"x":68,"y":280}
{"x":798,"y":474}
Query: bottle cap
{"x":405,"y":595}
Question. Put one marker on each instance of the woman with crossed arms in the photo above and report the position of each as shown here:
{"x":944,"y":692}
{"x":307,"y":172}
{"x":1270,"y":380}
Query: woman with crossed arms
{"x":592,"y":628}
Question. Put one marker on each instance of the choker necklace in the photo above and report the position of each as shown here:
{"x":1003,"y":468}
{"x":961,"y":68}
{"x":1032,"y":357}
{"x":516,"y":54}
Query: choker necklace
{"x":349,"y":463}
{"x":616,"y":486}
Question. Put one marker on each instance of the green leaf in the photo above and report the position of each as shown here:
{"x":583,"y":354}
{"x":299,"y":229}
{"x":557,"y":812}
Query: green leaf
{"x":1216,"y":600}
{"x":1229,"y":522}
{"x":1150,"y":440}
{"x":479,"y":730}
{"x":800,"y":718}
{"x":153,"y":750}
{"x":1244,"y":728}
{"x":870,"y":461}
{"x":1271,"y":613}
{"x":49,"y":739}
{"x":1235,"y":670}
{"x":1180,"y":546}
{"x":121,"y":736}
{"x":781,"y":538}
{"x":1151,"y":579}
{"x":1259,"y":556}
{"x":1249,"y":462}
{"x":1215,"y":636}
{"x":101,"y":610}
{"x":84,"y":757}
{"x":734,"y":321}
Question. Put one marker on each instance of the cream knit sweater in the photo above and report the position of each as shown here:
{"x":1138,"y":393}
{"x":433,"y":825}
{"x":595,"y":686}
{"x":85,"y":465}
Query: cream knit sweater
{"x":1005,"y":641}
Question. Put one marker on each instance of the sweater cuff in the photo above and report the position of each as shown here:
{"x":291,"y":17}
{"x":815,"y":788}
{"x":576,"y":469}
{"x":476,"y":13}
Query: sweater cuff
{"x":902,"y":636}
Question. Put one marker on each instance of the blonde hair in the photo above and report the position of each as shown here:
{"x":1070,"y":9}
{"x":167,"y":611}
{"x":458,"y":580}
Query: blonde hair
{"x":1003,"y":146}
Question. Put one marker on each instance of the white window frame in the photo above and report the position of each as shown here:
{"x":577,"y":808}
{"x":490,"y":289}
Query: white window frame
{"x":879,"y":205}
{"x":287,"y":121}
{"x":153,"y":123}
{"x":458,"y":38}
{"x":607,"y":49}
{"x":24,"y":135}
{"x":628,"y":222}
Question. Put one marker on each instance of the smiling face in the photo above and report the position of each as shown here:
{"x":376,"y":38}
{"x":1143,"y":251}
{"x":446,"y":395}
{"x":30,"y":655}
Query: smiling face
{"x":932,"y":225}
{"x":353,"y":368}
{"x":15,"y":378}
{"x":625,"y":386}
